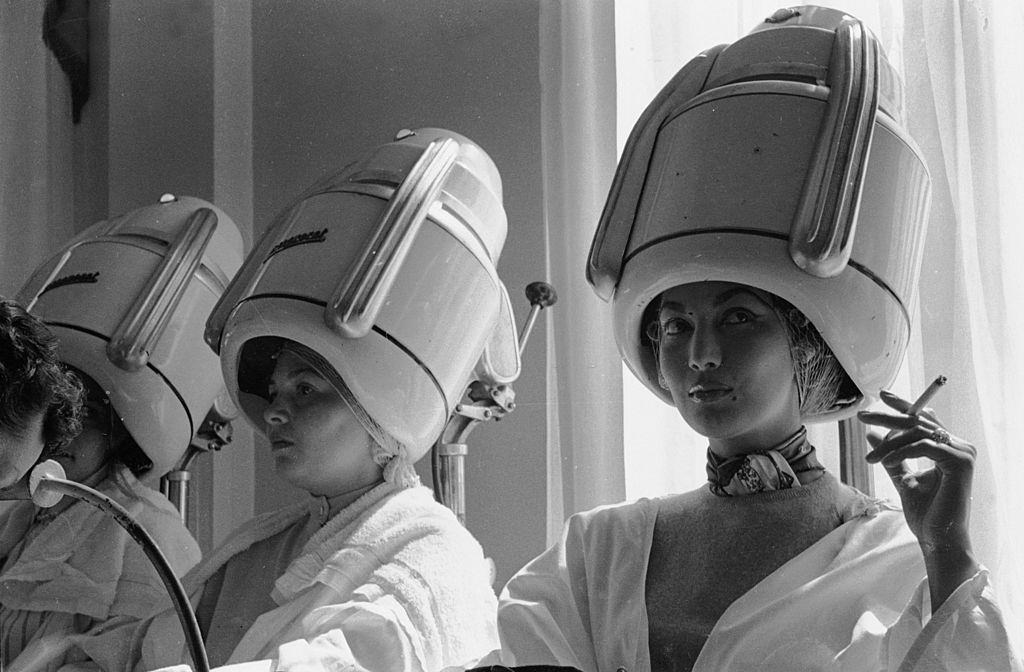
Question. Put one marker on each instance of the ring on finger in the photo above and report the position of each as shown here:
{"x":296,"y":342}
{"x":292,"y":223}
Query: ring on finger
{"x":939,"y":436}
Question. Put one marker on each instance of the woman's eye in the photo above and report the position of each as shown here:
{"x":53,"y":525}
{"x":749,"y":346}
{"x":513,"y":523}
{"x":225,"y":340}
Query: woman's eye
{"x":738,"y":316}
{"x":674,"y":326}
{"x":305,"y":390}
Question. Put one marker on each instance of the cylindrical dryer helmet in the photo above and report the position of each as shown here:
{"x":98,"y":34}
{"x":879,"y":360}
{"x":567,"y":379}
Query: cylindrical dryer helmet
{"x":386,"y":269}
{"x":128,"y":299}
{"x":780,"y":161}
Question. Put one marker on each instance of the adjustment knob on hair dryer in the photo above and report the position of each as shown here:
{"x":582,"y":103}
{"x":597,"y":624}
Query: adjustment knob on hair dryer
{"x":540,"y":295}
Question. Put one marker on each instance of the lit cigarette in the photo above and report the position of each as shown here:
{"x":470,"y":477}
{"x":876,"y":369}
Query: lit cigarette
{"x":926,"y":396}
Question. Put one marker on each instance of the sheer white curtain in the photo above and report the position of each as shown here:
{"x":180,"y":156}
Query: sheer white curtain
{"x":963,"y":67}
{"x":577,"y":61}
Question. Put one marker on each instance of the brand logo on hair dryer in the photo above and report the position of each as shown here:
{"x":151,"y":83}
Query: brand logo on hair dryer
{"x":76,"y":279}
{"x":301,"y":239}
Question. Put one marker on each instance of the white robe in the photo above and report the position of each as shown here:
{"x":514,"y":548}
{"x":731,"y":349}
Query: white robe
{"x":838,"y":606}
{"x":83,"y":570}
{"x":392,"y":582}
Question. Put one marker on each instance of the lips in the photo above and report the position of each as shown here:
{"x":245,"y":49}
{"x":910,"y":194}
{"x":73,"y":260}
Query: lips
{"x":706,"y":393}
{"x":279,"y":443}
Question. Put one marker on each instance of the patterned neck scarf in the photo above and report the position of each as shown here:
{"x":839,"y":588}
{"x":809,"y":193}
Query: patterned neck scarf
{"x":789,"y":464}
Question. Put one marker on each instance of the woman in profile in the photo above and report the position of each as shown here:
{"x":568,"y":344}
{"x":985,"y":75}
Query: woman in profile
{"x":727,"y":305}
{"x":71,"y":569}
{"x":350,"y":388}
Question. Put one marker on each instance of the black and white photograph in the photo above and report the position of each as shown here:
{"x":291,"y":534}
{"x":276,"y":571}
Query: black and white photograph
{"x":511,"y":335}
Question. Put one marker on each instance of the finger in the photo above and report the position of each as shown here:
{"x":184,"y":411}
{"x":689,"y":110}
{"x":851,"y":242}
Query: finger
{"x":945,"y":456}
{"x":897,"y":439}
{"x":885,"y":441}
{"x":898,"y":471}
{"x":874,"y":438}
{"x":903,"y":406}
{"x":895,"y":401}
{"x":881,"y":445}
{"x":897,"y":422}
{"x":928,"y":413}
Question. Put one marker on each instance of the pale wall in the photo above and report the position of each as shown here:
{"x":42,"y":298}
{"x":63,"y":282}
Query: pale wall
{"x":332,"y":79}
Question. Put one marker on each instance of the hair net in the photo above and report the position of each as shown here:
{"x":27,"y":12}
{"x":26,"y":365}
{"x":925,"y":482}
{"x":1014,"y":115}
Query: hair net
{"x":821,"y":382}
{"x":391,"y":455}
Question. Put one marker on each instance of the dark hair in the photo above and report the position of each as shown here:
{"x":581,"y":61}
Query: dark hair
{"x":33,"y":381}
{"x":121,"y":447}
{"x":822,"y":383}
{"x":129,"y":453}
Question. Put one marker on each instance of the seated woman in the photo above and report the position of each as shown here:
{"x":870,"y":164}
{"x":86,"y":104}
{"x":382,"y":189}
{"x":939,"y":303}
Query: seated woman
{"x":71,"y":569}
{"x":40,"y":402}
{"x":724,"y":308}
{"x":370,"y":572}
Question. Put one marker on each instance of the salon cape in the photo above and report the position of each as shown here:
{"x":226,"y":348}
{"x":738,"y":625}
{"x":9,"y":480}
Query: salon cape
{"x":84,"y":568}
{"x":391,"y":582}
{"x":837,"y":606}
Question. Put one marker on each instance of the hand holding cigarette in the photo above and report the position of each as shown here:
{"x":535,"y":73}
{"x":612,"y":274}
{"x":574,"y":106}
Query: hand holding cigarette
{"x":936,"y":500}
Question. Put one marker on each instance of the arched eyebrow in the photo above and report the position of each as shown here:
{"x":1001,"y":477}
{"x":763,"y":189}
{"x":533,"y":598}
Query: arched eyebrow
{"x":292,"y":375}
{"x":722,"y":298}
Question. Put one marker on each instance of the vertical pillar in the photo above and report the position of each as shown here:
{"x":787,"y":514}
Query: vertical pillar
{"x":234,"y":471}
{"x":179,"y":110}
{"x":853,"y":446}
{"x":35,"y":147}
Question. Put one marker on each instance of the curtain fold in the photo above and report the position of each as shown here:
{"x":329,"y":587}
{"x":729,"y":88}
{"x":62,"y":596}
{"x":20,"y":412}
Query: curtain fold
{"x":964,"y":67}
{"x":577,"y":70}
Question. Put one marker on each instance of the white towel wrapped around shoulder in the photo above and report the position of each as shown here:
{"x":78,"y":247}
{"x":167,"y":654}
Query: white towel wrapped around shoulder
{"x":389,"y":583}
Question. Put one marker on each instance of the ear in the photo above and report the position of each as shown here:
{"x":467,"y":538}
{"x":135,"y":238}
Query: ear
{"x":662,"y":383}
{"x":661,"y":379}
{"x":803,"y":354}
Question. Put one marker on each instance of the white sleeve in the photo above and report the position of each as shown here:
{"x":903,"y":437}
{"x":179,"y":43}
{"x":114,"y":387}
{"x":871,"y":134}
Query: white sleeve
{"x":321,"y":633}
{"x":967,"y":633}
{"x":371,"y":631}
{"x":541,"y":616}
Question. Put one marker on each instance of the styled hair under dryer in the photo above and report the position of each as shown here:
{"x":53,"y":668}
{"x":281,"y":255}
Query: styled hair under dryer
{"x":386,"y":271}
{"x":752,"y":166}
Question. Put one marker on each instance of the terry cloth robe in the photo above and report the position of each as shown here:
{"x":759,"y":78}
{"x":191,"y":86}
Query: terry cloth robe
{"x":80,"y":570}
{"x":854,"y":601}
{"x":391,"y":582}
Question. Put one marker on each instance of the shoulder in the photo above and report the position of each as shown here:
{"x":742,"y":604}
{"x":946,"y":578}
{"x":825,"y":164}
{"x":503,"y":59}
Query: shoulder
{"x":258,"y":528}
{"x":15,"y":520}
{"x":404,"y":542}
{"x":242,"y":539}
{"x":619,"y":511}
{"x":880,"y":532}
{"x":158,"y":517}
{"x":413,"y":516}
{"x":612,"y":523}
{"x":144,"y":503}
{"x":850,"y":503}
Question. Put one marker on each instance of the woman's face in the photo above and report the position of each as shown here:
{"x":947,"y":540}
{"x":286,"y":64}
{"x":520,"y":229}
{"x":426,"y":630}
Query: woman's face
{"x":90,"y":450}
{"x":725,"y":358}
{"x":20,"y":450}
{"x":317,"y":442}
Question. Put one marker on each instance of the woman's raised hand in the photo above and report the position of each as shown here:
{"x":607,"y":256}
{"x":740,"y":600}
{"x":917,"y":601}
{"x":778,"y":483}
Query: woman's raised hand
{"x":936,"y":500}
